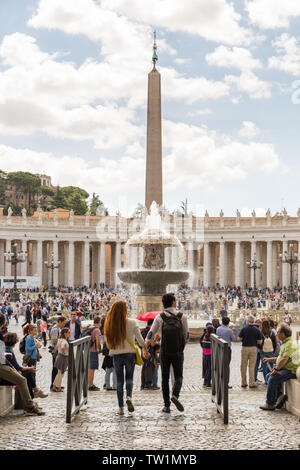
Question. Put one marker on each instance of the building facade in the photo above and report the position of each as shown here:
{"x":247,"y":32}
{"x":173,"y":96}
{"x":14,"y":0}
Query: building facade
{"x":91,"y":249}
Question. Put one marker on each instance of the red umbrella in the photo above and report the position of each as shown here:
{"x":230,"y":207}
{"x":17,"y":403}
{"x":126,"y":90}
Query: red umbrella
{"x":148,"y":315}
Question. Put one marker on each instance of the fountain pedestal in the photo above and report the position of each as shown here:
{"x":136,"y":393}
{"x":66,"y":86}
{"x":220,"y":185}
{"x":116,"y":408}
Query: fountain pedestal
{"x":153,"y":278}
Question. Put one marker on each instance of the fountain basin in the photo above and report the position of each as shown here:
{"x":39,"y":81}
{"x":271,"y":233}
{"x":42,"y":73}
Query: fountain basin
{"x":153,"y":282}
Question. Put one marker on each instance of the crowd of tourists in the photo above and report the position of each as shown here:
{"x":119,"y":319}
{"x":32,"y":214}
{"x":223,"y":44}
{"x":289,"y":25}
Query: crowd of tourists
{"x":266,"y":346}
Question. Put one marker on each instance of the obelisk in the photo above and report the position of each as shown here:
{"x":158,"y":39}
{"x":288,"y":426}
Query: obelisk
{"x":154,"y":143}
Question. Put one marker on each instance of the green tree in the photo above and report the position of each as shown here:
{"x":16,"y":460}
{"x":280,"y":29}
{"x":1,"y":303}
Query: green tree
{"x":68,"y":191}
{"x":26,"y":183}
{"x":59,"y":199}
{"x":77,"y":203}
{"x":97,"y":204}
{"x":3,"y":186}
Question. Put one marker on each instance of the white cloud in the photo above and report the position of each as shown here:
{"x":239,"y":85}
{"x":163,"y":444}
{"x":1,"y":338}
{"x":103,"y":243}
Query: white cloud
{"x":200,"y":112}
{"x":217,"y":21}
{"x":176,"y":87}
{"x":67,"y":169}
{"x":235,"y":57}
{"x":249,"y":130}
{"x":42,"y":94}
{"x":249,"y":83}
{"x":288,"y":58}
{"x":197,"y":157}
{"x":271,"y":14}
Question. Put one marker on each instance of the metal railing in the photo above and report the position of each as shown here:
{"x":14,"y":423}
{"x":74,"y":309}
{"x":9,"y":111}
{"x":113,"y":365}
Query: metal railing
{"x":78,"y":368}
{"x":220,"y":375}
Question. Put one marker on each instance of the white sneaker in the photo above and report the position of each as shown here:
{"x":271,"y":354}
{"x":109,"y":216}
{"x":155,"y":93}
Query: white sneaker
{"x":40,"y":394}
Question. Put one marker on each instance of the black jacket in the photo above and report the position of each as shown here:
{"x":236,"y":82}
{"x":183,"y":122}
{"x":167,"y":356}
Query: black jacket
{"x":77,"y":328}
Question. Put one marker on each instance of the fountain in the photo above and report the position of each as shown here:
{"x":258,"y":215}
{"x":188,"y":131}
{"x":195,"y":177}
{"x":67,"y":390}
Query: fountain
{"x":153,"y":278}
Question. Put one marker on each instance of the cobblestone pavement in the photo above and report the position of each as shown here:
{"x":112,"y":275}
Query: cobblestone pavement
{"x":98,"y":426}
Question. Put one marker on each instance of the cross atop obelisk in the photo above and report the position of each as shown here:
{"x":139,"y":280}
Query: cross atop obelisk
{"x":154,"y":141}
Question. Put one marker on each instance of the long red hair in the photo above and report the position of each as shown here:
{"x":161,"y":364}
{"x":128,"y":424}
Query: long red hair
{"x":115,"y":324}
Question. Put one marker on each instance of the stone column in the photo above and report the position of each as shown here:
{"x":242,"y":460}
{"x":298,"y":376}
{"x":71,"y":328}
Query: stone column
{"x":7,"y":264}
{"x":206,"y":265}
{"x":101,"y":263}
{"x":86,"y":263}
{"x":237,"y":264}
{"x":190,"y":253}
{"x":71,"y":264}
{"x":24,"y":265}
{"x":222,"y":264}
{"x":285,"y":272}
{"x":2,"y":260}
{"x":269,"y":264}
{"x":275,"y":271}
{"x":253,"y":252}
{"x":55,"y":255}
{"x":39,"y":260}
{"x":117,"y":262}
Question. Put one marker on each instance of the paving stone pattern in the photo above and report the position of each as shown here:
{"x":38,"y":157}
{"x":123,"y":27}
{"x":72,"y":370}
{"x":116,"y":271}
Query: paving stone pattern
{"x":200,"y":426}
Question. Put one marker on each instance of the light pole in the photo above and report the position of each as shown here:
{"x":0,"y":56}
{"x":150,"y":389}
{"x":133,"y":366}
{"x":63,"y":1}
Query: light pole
{"x":254,"y":264}
{"x":14,"y":258}
{"x":291,"y":258}
{"x":51,"y":265}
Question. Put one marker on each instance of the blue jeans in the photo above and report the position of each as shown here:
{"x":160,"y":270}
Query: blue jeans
{"x":124,"y":365}
{"x":155,"y":377}
{"x":266,"y":366}
{"x":207,"y":376}
{"x":108,"y":372}
{"x":275,"y":385}
{"x":257,"y":366}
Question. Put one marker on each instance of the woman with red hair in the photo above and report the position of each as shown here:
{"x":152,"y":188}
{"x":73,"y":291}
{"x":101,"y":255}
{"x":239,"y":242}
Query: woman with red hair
{"x":120,"y":333}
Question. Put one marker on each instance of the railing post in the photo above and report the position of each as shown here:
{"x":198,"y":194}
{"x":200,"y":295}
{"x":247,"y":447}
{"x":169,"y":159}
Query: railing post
{"x":78,"y":368}
{"x":220,"y":375}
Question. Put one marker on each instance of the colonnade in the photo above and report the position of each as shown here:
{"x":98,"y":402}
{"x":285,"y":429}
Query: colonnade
{"x":224,"y":263}
{"x":85,"y":263}
{"x":82,"y":263}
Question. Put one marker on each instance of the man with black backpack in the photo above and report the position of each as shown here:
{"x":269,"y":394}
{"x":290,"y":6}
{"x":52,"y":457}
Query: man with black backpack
{"x":174,"y":335}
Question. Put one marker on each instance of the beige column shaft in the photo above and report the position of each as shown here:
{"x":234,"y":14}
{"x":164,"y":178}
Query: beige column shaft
{"x":7,"y":264}
{"x":55,"y":272}
{"x":39,"y":260}
{"x":206,"y":265}
{"x":253,"y":253}
{"x":71,"y":261}
{"x":285,"y":282}
{"x":24,"y":265}
{"x":190,"y":253}
{"x":101,"y":263}
{"x":86,"y":263}
{"x":117,"y":263}
{"x":222,"y":264}
{"x":270,"y":264}
{"x":237,"y":264}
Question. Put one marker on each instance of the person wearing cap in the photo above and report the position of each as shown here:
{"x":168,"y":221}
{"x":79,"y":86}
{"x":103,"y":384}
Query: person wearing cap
{"x":285,"y":369}
{"x":251,"y":338}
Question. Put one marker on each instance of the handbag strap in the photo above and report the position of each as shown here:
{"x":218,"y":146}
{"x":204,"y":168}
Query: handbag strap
{"x":128,"y":341}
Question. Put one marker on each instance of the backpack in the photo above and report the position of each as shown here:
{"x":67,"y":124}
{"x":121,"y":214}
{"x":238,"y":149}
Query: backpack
{"x":268,"y":345}
{"x":88,"y":332}
{"x":22,"y":345}
{"x":172,"y":340}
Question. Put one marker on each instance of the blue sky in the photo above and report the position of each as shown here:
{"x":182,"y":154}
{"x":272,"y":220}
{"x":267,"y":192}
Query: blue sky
{"x":73,"y":90}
